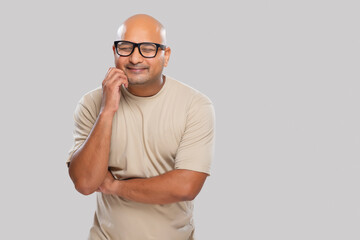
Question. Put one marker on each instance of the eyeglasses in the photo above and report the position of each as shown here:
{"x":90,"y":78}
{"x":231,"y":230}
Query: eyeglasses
{"x":146,"y":49}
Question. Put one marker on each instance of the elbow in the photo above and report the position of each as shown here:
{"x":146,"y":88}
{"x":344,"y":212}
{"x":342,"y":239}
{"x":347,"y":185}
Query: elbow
{"x":82,"y":184}
{"x":84,"y":188}
{"x":188,"y":197}
{"x":188,"y":193}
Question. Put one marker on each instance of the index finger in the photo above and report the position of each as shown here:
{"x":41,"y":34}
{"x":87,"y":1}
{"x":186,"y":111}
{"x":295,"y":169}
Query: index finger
{"x":107,"y":73}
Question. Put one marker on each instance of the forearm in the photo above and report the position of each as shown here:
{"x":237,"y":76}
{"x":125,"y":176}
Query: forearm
{"x":173,"y":186}
{"x":89,"y":164}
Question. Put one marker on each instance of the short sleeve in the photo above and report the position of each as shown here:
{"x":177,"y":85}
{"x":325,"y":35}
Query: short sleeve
{"x":196,"y":148}
{"x":84,"y":121}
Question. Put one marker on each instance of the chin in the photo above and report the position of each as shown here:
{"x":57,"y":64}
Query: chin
{"x":137,"y":81}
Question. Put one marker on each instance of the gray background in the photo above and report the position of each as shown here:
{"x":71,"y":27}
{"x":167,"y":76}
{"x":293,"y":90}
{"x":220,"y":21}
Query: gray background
{"x":284,"y":79}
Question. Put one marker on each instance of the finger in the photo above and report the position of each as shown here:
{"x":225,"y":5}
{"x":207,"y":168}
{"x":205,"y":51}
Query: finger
{"x":114,"y":71}
{"x":111,"y":174}
{"x":113,"y":75}
{"x":116,"y":81}
{"x":122,"y":76}
{"x":126,"y":84}
{"x":108,"y":71}
{"x":106,"y":76}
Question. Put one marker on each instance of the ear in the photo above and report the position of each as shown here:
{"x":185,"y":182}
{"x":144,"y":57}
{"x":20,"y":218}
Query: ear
{"x":113,"y":47}
{"x":167,"y":56}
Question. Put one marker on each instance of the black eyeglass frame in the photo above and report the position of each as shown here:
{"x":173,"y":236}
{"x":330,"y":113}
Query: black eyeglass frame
{"x":161,"y":46}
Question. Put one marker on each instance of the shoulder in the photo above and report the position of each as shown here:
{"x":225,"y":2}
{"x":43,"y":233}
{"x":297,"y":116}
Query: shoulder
{"x":189,"y":94}
{"x":92,"y":100}
{"x":93,"y":95}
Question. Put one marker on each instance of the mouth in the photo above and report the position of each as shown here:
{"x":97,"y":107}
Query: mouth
{"x":137,"y":69}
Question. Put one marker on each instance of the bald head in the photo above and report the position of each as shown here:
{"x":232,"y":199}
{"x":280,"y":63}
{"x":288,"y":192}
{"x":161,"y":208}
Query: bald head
{"x":142,"y":28}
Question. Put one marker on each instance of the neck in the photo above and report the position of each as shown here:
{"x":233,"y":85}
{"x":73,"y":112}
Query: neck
{"x":147,"y":90}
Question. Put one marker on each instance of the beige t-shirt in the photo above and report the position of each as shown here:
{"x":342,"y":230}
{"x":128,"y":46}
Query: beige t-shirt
{"x":173,"y":129}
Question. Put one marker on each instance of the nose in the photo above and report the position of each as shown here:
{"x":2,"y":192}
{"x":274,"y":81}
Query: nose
{"x":136,"y":57}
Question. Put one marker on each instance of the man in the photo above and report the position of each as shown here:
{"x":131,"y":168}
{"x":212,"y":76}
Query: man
{"x":143,"y":141}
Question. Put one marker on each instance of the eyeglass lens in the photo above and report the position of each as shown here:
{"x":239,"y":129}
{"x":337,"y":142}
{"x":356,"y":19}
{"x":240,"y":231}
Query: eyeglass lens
{"x":146,"y":49}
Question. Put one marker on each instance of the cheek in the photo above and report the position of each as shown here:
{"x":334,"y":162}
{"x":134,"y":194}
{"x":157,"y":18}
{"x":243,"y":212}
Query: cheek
{"x":120,"y":63}
{"x":158,"y":64}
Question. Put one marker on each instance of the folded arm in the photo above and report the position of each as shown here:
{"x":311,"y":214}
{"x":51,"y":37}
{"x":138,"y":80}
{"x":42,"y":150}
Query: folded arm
{"x":89,"y":164}
{"x":174,"y":186}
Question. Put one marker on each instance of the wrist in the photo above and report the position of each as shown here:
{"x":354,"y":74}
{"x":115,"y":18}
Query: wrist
{"x":116,"y":188}
{"x":106,"y":114}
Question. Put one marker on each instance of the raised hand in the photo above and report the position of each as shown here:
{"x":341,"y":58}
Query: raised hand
{"x":111,"y":85}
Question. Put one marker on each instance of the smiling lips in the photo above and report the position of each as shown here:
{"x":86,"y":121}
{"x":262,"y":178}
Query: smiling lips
{"x":136,"y":69}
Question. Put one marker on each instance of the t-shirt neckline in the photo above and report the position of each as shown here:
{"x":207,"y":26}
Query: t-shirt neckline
{"x":138,"y":98}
